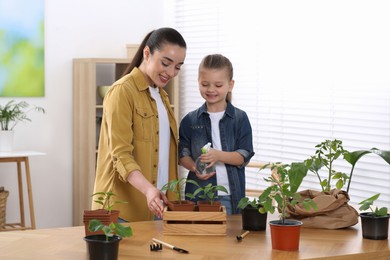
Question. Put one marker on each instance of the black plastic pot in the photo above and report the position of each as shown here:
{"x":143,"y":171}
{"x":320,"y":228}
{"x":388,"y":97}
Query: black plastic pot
{"x":376,"y":228}
{"x":253,"y":220}
{"x":100,"y":249}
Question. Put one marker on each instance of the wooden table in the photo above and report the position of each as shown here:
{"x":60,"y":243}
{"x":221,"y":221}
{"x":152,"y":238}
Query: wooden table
{"x":20,"y":157}
{"x":67,"y":243}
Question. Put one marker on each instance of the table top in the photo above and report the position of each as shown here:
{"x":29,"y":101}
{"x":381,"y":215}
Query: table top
{"x":19,"y":154}
{"x":68,"y":243}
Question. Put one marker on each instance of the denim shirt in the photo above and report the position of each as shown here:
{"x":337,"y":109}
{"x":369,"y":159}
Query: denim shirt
{"x":236,"y":135}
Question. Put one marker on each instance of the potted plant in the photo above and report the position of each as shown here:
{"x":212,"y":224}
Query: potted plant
{"x":328,"y":152}
{"x":208,"y":194}
{"x":106,"y":214}
{"x":176,"y":186}
{"x":10,"y":115}
{"x":252,"y":219}
{"x":375,"y":223}
{"x":284,"y":184}
{"x":105,"y":246}
{"x":333,"y":209}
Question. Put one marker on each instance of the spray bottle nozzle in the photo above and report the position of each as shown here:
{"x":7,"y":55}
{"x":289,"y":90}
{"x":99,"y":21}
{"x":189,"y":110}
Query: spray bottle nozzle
{"x":206,"y":148}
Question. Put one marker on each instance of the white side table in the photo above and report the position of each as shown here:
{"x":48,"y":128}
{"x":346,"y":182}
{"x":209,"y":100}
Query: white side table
{"x":18,"y":157}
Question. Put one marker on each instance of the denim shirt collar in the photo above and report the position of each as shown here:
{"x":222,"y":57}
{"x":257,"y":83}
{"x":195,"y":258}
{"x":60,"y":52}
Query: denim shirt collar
{"x":228,"y":112}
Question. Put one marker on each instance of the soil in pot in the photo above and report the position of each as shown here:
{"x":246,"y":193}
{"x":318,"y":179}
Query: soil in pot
{"x":376,"y":228}
{"x":206,"y":206}
{"x":253,"y":220}
{"x":285,"y":236}
{"x":100,"y":249}
{"x":101,"y":214}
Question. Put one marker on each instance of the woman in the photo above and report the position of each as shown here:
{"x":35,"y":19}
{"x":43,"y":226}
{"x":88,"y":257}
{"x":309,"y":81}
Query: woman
{"x":138,"y":140}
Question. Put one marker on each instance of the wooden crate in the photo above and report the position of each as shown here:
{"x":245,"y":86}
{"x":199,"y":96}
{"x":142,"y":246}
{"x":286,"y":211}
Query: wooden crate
{"x":194,"y":222}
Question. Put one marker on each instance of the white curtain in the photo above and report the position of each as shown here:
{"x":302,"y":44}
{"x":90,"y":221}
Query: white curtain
{"x":305,"y":71}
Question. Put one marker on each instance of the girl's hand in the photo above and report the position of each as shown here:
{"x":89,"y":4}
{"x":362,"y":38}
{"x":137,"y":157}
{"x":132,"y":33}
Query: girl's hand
{"x":211,"y":157}
{"x":204,"y":176}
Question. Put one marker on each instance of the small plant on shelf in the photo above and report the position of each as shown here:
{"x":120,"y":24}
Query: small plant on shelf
{"x":14,"y":112}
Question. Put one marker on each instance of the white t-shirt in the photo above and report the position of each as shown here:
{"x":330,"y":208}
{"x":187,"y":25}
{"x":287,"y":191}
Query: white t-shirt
{"x":222,"y":178}
{"x":164,"y":138}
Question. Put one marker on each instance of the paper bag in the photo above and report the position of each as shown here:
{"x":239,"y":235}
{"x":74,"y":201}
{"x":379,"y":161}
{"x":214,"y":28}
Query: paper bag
{"x":333,"y":211}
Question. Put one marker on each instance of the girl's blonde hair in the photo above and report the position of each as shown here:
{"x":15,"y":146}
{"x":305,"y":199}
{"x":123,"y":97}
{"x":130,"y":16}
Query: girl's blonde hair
{"x":218,"y":61}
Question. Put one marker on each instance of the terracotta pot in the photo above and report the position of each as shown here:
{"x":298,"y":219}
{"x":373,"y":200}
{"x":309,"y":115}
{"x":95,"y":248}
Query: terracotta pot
{"x":285,"y":236}
{"x":183,"y":205}
{"x":100,"y":249}
{"x":100,"y":214}
{"x":206,"y":206}
{"x":376,"y":228}
{"x":253,"y":220}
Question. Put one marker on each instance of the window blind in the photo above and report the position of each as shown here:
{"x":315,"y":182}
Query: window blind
{"x":304,"y":71}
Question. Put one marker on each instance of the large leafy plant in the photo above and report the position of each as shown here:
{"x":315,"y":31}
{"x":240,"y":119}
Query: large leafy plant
{"x":327,"y":153}
{"x":14,"y":112}
{"x":284,"y":185}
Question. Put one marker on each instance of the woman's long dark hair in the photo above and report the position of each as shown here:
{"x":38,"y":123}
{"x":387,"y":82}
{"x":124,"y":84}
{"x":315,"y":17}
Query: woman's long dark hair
{"x":154,"y":40}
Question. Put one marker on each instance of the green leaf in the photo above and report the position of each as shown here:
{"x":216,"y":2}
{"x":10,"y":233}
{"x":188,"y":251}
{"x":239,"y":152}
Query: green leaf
{"x":381,"y":212}
{"x":296,"y":174}
{"x":123,"y":231}
{"x":95,"y":225}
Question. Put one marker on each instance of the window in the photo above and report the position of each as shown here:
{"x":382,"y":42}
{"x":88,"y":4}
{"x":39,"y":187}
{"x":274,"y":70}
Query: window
{"x":305,"y":71}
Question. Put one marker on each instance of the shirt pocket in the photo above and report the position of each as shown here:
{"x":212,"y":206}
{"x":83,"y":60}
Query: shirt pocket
{"x":143,"y":124}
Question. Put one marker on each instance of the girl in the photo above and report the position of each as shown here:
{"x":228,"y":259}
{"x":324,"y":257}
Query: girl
{"x":226,"y":127}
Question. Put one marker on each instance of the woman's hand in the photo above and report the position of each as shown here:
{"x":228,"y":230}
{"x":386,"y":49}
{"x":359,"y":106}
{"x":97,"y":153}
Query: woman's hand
{"x":155,"y":199}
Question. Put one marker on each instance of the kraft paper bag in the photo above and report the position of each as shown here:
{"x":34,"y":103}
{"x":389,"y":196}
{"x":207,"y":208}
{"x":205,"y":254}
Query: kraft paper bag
{"x":333,"y":212}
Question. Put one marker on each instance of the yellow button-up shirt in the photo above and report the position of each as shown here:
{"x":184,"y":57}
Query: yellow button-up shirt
{"x":129,"y":140}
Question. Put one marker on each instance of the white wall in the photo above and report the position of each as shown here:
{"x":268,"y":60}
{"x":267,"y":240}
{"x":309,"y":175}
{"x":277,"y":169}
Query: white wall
{"x":73,"y":29}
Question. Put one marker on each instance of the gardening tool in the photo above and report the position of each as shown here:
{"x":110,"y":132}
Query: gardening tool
{"x":170,"y":246}
{"x":240,"y":237}
{"x":155,"y":247}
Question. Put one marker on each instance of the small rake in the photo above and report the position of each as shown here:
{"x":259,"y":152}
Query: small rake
{"x":155,"y":247}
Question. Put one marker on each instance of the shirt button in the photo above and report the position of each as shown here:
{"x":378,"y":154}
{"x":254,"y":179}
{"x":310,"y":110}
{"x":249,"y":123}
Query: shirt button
{"x":153,"y":182}
{"x":157,"y":116}
{"x":156,"y":150}
{"x":157,"y":132}
{"x":154,"y":166}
